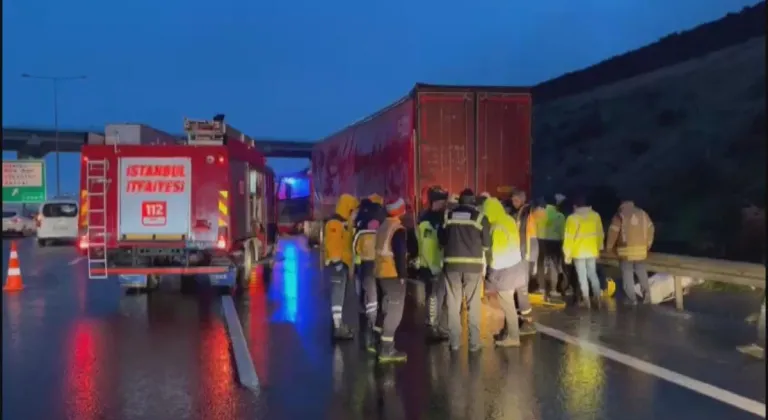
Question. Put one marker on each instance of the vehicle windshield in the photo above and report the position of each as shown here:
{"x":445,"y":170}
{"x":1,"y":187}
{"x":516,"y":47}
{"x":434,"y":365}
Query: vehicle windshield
{"x":60,"y":210}
{"x":8,"y":214}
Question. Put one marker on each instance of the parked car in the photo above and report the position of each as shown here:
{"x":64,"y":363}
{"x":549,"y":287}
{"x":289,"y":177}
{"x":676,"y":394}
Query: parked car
{"x":58,"y":221}
{"x":14,"y":222}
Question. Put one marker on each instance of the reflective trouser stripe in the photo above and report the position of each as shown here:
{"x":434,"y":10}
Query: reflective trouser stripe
{"x":377,"y":329}
{"x":371,"y":307}
{"x":466,"y":260}
{"x":336,"y":312}
{"x":432,"y":310}
{"x":387,"y":339}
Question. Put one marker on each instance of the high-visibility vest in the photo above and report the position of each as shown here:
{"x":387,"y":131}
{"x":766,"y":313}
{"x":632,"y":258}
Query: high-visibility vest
{"x":364,"y":244}
{"x":505,"y":246}
{"x":549,"y":223}
{"x":385,"y":266}
{"x":430,"y":253}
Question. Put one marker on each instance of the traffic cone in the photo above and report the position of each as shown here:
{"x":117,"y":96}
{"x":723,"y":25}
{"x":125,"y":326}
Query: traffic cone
{"x":13,"y":282}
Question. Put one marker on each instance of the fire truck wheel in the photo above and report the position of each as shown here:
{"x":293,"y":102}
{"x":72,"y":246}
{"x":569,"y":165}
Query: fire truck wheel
{"x":245,"y":268}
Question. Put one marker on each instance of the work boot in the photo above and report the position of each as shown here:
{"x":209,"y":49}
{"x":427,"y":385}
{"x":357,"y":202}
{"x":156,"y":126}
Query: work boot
{"x":526,"y":326}
{"x":553,"y":298}
{"x":371,"y":341}
{"x":435,"y":334}
{"x":390,"y":354}
{"x":585,"y":304}
{"x":596,"y":303}
{"x":343,"y":333}
{"x":506,"y":341}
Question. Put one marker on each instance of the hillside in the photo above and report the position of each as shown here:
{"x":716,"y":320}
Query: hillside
{"x":688,"y":141}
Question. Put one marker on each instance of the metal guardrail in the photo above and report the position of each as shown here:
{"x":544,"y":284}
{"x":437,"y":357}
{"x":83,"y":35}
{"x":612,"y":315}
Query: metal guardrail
{"x":724,"y":271}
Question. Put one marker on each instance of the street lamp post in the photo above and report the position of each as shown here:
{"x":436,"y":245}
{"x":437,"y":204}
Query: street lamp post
{"x":55,"y":80}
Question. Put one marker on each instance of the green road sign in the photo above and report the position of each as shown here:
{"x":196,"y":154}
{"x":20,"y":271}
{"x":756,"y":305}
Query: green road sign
{"x":23,"y":181}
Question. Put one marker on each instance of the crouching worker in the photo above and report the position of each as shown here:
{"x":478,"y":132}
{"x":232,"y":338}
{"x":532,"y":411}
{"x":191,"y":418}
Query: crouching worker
{"x":337,"y":247}
{"x":391,"y":269}
{"x":369,"y":217}
{"x":507,"y":271}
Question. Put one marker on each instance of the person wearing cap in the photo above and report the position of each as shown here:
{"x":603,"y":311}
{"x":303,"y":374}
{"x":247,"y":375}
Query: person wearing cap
{"x":631,"y":236}
{"x":582,"y":243}
{"x":337,"y":249}
{"x":466,"y":240}
{"x":370,"y":216}
{"x":430,"y":261}
{"x":391,"y":269}
{"x":529,"y":247}
{"x":507,"y":271}
{"x":550,"y":224}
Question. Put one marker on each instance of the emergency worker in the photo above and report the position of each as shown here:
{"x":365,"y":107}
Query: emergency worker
{"x":506,"y":269}
{"x":529,"y":248}
{"x":391,"y":269}
{"x":370,"y":216}
{"x":466,"y":240}
{"x":631,"y":236}
{"x":337,"y":247}
{"x":550,"y":225}
{"x":582,"y":243}
{"x":430,"y":261}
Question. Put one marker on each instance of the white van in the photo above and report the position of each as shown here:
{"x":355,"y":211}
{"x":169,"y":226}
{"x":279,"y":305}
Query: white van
{"x":58,"y":221}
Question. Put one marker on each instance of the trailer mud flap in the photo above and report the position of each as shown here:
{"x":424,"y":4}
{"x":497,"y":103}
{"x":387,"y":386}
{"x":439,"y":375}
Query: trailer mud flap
{"x":132,"y":280}
{"x":222,"y":279}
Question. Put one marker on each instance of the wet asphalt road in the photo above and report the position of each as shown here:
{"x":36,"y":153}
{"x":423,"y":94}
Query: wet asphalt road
{"x":75,"y":348}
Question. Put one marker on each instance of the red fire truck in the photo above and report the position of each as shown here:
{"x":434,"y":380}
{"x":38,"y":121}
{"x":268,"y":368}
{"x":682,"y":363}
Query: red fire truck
{"x":197,"y":207}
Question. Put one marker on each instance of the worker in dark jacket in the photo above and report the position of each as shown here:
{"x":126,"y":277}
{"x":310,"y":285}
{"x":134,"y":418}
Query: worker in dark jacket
{"x":466,"y":240}
{"x":391,"y":270}
{"x":370,"y":216}
{"x":430,"y":261}
{"x":529,"y":248}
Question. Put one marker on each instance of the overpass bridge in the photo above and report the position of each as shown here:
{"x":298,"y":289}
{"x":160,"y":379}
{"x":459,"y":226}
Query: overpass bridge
{"x":37,"y":142}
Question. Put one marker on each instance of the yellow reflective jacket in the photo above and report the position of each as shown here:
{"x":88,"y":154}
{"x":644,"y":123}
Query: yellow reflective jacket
{"x":505,"y":235}
{"x":583,"y":234}
{"x":430,"y":253}
{"x":337,"y":235}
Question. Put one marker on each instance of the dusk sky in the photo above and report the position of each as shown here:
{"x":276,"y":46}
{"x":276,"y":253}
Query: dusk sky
{"x":301,"y":69}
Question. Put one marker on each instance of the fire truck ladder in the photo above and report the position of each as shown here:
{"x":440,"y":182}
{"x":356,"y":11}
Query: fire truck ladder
{"x":96,"y":229}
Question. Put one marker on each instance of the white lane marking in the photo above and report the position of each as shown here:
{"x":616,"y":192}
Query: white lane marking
{"x":246,"y":373}
{"x":76,"y":260}
{"x":711,"y":391}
